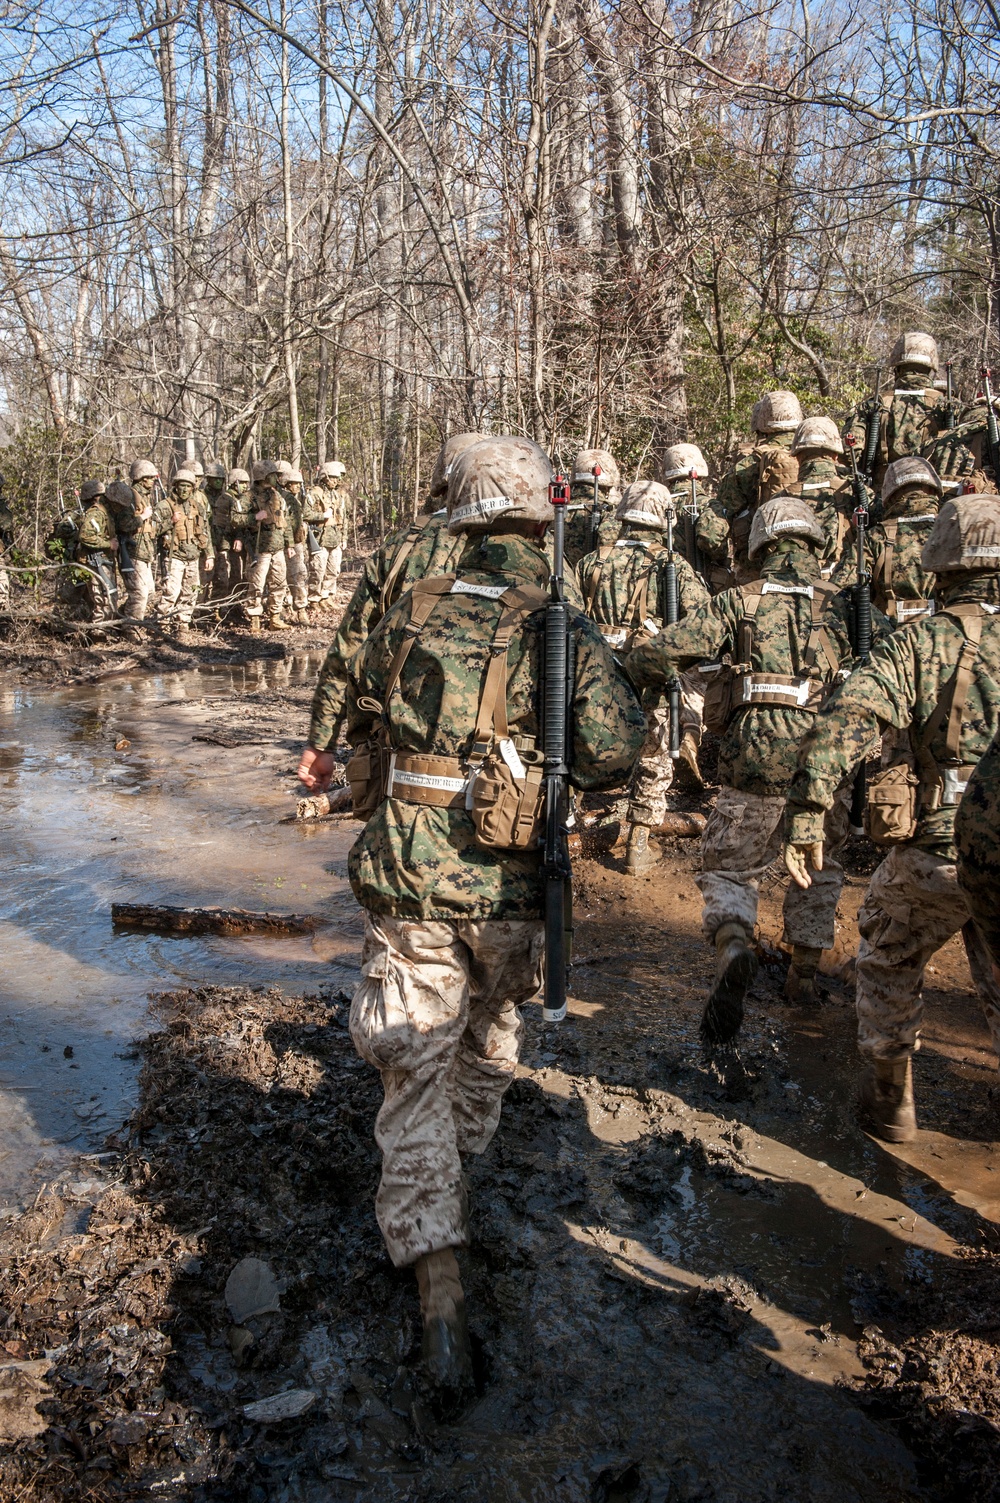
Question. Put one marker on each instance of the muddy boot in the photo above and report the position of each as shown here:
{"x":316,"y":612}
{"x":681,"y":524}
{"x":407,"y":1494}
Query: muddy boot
{"x":255,"y":624}
{"x":183,"y":632}
{"x":275,"y":623}
{"x":638,"y":855}
{"x":447,"y":1352}
{"x":800,"y":983}
{"x":735,"y":968}
{"x":887,"y":1107}
{"x":302,"y":617}
{"x":689,"y":756}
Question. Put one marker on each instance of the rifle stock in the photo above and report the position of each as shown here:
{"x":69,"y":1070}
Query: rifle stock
{"x":862,"y":633}
{"x":556,"y":696}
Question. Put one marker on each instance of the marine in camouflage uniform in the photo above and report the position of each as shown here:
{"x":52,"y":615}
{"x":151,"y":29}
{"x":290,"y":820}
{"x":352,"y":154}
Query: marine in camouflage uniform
{"x":913,"y":415}
{"x":702,"y":535}
{"x":270,"y":527}
{"x":322,"y":511}
{"x":298,"y":567}
{"x":230,"y":524}
{"x":789,"y":634}
{"x":827,"y":485}
{"x":766,"y":469}
{"x":190,"y":556}
{"x":961,"y":454}
{"x":454,"y":929}
{"x":624,"y":590}
{"x":977,"y":844}
{"x":938,"y":679}
{"x":96,"y":548}
{"x":902,"y":588}
{"x":423,"y":549}
{"x":580,"y":511}
{"x":138,"y":525}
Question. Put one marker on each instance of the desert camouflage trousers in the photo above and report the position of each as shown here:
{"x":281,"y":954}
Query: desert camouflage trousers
{"x":180,"y":590}
{"x":436,"y":1012}
{"x":267,"y":572}
{"x":141,"y":585}
{"x":912,"y":906}
{"x":742,"y":838}
{"x":4,"y":590}
{"x":324,"y":569}
{"x":654,"y":772}
{"x":298,"y":577}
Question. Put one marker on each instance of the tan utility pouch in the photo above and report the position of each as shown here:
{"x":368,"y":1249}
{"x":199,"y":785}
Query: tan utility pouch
{"x":366,"y":771}
{"x":892,"y":801}
{"x":719,"y":680}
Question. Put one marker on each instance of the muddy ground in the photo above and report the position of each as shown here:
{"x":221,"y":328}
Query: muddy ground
{"x":686,"y":1282}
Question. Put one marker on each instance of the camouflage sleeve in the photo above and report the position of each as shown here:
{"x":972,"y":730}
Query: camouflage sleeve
{"x":705,"y":633}
{"x":92,"y":534}
{"x":733,"y":493}
{"x":609,"y":727}
{"x":357,"y":622}
{"x":847,"y":730}
{"x":712,"y":531}
{"x":690,"y":589}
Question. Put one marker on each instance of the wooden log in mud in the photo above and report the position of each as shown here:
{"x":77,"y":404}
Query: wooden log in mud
{"x":166,"y":920}
{"x":335,"y":803}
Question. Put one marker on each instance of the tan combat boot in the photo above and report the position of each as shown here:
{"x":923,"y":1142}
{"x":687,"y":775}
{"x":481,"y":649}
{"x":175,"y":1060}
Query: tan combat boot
{"x":800,"y":983}
{"x":735,"y":969}
{"x":275,"y":623}
{"x":255,"y":623}
{"x":302,"y":617}
{"x":447,"y":1352}
{"x":689,"y":755}
{"x":638,"y":855}
{"x":887,"y":1106}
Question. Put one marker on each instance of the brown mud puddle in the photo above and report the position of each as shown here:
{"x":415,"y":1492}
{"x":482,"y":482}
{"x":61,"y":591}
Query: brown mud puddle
{"x":686,"y":1282}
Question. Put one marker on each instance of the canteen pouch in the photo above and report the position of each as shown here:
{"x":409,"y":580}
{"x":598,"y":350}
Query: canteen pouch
{"x":891,"y":804}
{"x":719,"y":682}
{"x":506,"y":810}
{"x":367,"y":771}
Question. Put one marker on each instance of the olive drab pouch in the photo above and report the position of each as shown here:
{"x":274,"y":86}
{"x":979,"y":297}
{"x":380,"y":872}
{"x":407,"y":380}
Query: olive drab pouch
{"x":892,"y":801}
{"x":367,"y":770}
{"x":779,"y":469}
{"x":719,"y":680}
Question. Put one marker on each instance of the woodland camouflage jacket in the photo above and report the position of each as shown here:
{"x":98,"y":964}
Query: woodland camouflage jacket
{"x":632,"y":573}
{"x":900,"y":686}
{"x":142,"y":532}
{"x":578,"y":520}
{"x":892,"y":554}
{"x":276,"y":531}
{"x":97,"y":529}
{"x":910,"y":420}
{"x":416,"y":552}
{"x":419,"y":861}
{"x":758,"y":750}
{"x":826,"y":485}
{"x":976,"y":825}
{"x":184,"y":527}
{"x":317,"y":503}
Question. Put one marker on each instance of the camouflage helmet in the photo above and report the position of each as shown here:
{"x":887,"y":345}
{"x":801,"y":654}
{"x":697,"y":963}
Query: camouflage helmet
{"x":499,"y":480}
{"x":681,"y":459}
{"x":143,"y":469}
{"x":915,"y":349}
{"x":91,"y":489}
{"x":235,"y":476}
{"x":776,"y":412}
{"x":446,"y":456}
{"x":966,"y":535}
{"x":585,"y":462}
{"x":185,"y":477}
{"x":293,"y":477}
{"x":332,"y":469}
{"x":197,"y":469}
{"x":647,"y":503}
{"x":910,"y":470}
{"x":817,"y":433}
{"x":215,"y":472}
{"x":263,"y":469}
{"x":282,"y":467}
{"x":784,"y":517}
{"x":120,"y":494}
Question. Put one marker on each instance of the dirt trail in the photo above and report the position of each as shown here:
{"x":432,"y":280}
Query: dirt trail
{"x":683,"y":1284}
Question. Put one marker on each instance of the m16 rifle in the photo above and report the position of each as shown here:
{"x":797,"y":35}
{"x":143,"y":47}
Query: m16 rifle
{"x":992,"y":433}
{"x":862,"y":634}
{"x":594,"y":520}
{"x":557,"y":694}
{"x":671,"y":614}
{"x":873,"y":428}
{"x":162,"y":543}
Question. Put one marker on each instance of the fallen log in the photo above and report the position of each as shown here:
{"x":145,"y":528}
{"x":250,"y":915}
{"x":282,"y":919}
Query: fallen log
{"x":321,"y":806}
{"x":684,"y":825}
{"x":166,"y":920}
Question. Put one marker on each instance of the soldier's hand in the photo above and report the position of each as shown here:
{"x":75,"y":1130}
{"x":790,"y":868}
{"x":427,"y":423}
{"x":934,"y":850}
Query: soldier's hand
{"x":315,"y":769}
{"x":237,"y":546}
{"x":261,"y":516}
{"x":209,"y":565}
{"x":799,"y":857}
{"x":289,"y":552}
{"x":113,"y":545}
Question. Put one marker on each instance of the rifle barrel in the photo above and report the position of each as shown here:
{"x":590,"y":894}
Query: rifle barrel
{"x":556,"y":866}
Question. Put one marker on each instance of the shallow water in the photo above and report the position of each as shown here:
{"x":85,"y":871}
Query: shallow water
{"x":167,"y":819}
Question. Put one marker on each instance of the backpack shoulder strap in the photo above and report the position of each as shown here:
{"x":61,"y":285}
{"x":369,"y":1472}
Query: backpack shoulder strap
{"x":406,"y":547}
{"x":820,"y":640}
{"x":882,"y":573}
{"x":424,"y":596}
{"x":594,"y":578}
{"x":969,"y":619}
{"x":751,"y":596}
{"x":491,"y":717}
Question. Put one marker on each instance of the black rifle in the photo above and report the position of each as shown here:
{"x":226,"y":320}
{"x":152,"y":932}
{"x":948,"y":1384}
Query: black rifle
{"x":312,"y":542}
{"x":862,"y":634}
{"x":992,"y":434}
{"x":949,"y":403}
{"x":556,"y":696}
{"x":161,"y":540}
{"x":873,"y":428}
{"x":594,"y":520}
{"x":671,"y":614}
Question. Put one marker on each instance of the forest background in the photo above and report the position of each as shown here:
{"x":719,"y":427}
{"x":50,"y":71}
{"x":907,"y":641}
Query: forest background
{"x":311,"y":230}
